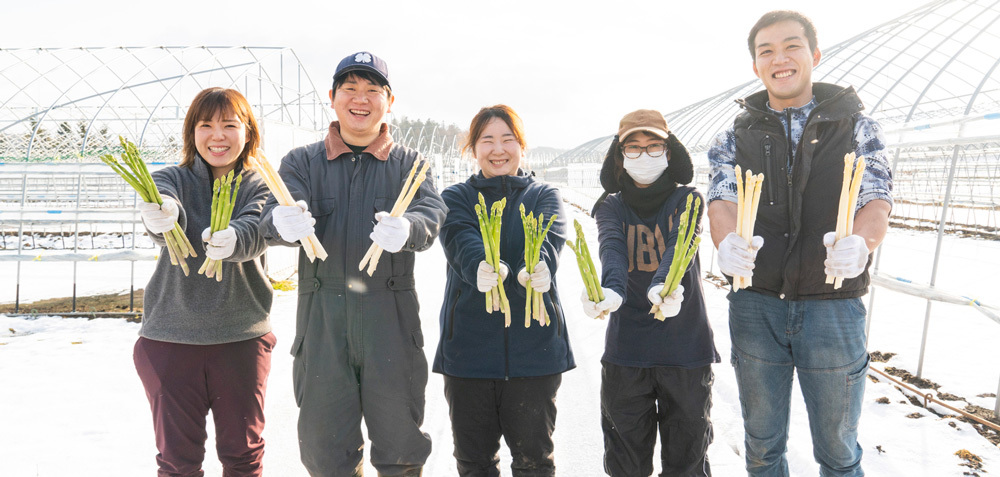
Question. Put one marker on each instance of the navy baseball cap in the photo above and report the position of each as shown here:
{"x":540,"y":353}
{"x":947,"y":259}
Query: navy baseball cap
{"x":363,"y":61}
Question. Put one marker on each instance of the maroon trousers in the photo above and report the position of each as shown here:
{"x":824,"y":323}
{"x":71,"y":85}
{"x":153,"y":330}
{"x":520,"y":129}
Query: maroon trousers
{"x":183,"y":382}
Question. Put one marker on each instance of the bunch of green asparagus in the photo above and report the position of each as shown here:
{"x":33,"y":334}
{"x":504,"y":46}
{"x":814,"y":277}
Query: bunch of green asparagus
{"x":489,"y":226}
{"x":684,"y":250}
{"x":591,"y":279}
{"x":222,"y":211}
{"x":134,"y":171}
{"x":534,"y":236}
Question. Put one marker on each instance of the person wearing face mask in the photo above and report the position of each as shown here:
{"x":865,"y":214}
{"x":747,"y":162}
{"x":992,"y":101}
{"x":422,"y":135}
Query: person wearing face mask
{"x":501,"y":381}
{"x":205,"y":345}
{"x":655,"y":373}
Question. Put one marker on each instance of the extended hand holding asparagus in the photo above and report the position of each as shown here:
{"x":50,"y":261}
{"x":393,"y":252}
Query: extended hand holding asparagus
{"x":391,"y":237}
{"x":842,"y":259}
{"x":748,"y":193}
{"x":310,"y":243}
{"x":133,"y":170}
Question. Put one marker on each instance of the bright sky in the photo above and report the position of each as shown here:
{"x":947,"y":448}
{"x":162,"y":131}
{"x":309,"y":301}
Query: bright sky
{"x":571,"y":69}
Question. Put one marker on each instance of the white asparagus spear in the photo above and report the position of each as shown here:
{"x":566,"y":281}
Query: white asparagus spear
{"x":845,"y":192}
{"x":402,"y":195}
{"x":311,"y":244}
{"x":852,"y":204}
{"x":402,"y":202}
{"x":740,"y":200}
{"x":758,"y":180}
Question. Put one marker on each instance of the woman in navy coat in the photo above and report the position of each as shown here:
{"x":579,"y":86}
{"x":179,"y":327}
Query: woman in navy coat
{"x":501,"y":381}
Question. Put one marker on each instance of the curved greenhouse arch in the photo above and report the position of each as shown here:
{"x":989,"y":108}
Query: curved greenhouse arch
{"x":931,"y":79}
{"x":71,"y":103}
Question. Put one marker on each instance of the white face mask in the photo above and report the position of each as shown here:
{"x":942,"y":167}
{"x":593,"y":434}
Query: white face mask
{"x":644,"y":169}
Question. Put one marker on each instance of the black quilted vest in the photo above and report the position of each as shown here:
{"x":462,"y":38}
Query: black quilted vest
{"x":796,"y":209}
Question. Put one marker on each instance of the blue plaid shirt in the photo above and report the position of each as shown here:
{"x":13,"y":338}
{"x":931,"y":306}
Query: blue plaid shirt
{"x":876,"y":183}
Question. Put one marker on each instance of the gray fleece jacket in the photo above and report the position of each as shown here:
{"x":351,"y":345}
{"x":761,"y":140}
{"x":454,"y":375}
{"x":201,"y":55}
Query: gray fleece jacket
{"x":199,"y":310}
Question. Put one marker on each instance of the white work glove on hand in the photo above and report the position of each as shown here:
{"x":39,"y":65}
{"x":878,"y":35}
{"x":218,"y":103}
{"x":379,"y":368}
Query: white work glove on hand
{"x":669,"y":305}
{"x":541,"y":280}
{"x":736,"y":256}
{"x":847,"y":257}
{"x":159,"y":219}
{"x":486,"y":278}
{"x":221,"y":244}
{"x":390,"y":232}
{"x":612,"y":301}
{"x":293,"y":222}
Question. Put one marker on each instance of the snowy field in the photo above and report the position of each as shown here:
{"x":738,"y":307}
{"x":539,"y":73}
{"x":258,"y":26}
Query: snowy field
{"x":72,"y":404}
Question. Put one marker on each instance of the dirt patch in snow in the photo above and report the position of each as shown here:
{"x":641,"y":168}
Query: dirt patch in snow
{"x":908,"y":378}
{"x":109,"y":303}
{"x":880,"y":357}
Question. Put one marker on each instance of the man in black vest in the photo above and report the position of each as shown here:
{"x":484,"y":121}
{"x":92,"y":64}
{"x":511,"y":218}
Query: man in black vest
{"x":796,"y":133}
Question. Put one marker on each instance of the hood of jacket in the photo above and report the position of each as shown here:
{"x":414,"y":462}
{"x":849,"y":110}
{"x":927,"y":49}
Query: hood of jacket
{"x":846,"y":101}
{"x":500,"y":186}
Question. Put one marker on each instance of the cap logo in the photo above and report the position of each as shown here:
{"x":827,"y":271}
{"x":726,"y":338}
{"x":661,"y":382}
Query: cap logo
{"x":363,"y":58}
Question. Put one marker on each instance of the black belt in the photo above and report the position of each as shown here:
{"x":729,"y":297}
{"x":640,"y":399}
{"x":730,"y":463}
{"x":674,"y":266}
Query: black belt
{"x":311,"y":285}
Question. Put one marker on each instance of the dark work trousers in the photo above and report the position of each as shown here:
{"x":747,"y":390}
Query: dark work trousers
{"x":350,"y":366}
{"x":183,"y":382}
{"x":522,"y":410}
{"x":635,"y":400}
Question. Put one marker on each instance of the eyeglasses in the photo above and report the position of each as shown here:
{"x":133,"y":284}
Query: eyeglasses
{"x":654,"y":150}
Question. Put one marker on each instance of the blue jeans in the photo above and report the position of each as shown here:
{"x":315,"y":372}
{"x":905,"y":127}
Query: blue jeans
{"x":825,"y":341}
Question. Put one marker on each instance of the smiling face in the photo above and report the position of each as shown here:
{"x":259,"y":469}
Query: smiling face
{"x":220,"y":141}
{"x":784,"y":64}
{"x":227,"y":110}
{"x":361,"y":106}
{"x":497,"y":150}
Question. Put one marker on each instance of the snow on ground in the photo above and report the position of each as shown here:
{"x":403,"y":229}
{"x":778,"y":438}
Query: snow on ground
{"x":72,"y":404}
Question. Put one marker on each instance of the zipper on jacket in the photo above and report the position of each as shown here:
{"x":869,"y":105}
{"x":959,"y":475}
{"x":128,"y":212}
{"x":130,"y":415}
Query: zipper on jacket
{"x":506,"y":354}
{"x":788,"y":177}
{"x":504,"y":237}
{"x":788,"y":141}
{"x":769,"y":165}
{"x":790,"y":197}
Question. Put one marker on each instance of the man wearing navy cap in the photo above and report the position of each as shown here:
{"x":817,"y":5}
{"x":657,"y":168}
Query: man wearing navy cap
{"x":358,"y":345}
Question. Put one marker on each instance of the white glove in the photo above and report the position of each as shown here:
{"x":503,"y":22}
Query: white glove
{"x":736,"y":256}
{"x":669,"y":305}
{"x":221,"y":244}
{"x":847,"y":257}
{"x":293,"y":222}
{"x":159,"y":219}
{"x":390,"y":232}
{"x":541,"y":279}
{"x":486,"y":278}
{"x":612,"y":301}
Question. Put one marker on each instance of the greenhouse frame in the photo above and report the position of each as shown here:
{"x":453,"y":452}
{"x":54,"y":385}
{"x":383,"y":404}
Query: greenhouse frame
{"x":930,"y":77}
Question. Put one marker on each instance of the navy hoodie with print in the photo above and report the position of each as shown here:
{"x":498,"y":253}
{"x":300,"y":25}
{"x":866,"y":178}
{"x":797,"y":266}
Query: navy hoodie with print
{"x":635,"y":253}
